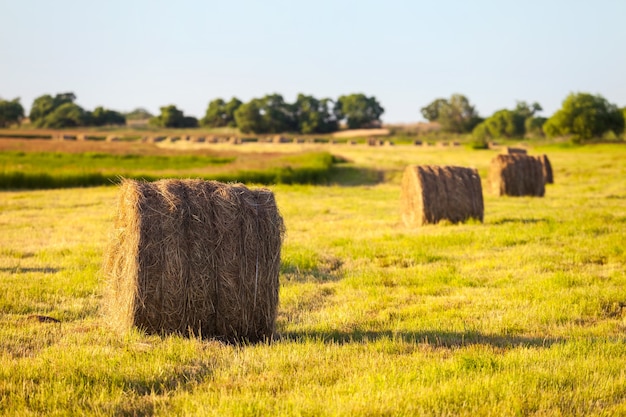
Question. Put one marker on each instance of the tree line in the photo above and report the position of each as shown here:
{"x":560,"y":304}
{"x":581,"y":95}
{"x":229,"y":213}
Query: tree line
{"x":583,"y":116}
{"x":269,"y":114}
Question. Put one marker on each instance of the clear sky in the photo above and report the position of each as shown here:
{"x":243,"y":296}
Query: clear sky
{"x":151,"y":53}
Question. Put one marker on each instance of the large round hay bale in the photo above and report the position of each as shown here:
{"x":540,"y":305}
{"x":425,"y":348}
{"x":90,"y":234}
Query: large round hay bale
{"x":517,"y":175}
{"x":197,"y":258}
{"x":547,"y":169}
{"x":433,"y":193}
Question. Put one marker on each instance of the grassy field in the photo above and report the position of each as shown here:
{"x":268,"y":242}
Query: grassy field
{"x":522,"y":315}
{"x":46,"y":164}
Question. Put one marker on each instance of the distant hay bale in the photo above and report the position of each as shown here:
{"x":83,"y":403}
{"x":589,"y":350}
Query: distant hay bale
{"x":112,"y":138}
{"x":81,"y":137}
{"x":197,"y":258}
{"x":547,"y":169}
{"x":517,"y":175}
{"x":512,"y":151}
{"x":433,"y":193}
{"x":279,"y":139}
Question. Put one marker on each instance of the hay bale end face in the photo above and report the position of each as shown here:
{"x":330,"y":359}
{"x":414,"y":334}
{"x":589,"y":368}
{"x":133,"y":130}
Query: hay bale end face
{"x":434,"y":193}
{"x":197,"y":258}
{"x":517,"y":175}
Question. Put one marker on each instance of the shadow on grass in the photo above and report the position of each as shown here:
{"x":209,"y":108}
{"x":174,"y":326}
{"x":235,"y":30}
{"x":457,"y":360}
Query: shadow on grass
{"x":441,"y":339}
{"x":22,"y":270}
{"x":327,"y":270}
{"x":508,"y":220}
{"x":349,"y":176}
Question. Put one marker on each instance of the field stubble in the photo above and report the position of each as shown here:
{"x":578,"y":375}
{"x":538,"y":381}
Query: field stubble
{"x":524,"y":314}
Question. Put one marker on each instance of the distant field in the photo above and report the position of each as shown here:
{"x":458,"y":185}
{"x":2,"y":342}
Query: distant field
{"x":524,"y":314}
{"x":33,"y":164}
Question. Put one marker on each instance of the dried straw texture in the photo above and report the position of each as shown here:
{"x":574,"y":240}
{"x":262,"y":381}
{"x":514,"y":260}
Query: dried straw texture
{"x":547,"y":169}
{"x":517,"y":175}
{"x":192,"y":257}
{"x":512,"y":151}
{"x":434,"y":193}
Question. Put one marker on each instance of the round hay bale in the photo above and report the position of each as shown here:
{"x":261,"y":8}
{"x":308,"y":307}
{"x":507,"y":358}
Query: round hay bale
{"x":197,"y":258}
{"x":433,"y":193}
{"x":547,"y":169}
{"x":517,"y":175}
{"x":513,"y":151}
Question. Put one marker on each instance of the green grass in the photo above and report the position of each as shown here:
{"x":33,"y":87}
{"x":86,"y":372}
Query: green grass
{"x":39,"y":170}
{"x":522,"y":315}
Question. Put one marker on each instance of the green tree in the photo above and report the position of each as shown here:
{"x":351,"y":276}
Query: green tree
{"x":481,"y":136}
{"x":509,"y":123}
{"x":455,"y":115}
{"x":11,"y":112}
{"x":359,"y":111}
{"x":249,"y":118}
{"x":533,"y":126}
{"x":270,"y":114}
{"x":66,"y":115}
{"x":220,"y":113}
{"x":315,"y":116}
{"x":279,"y":115}
{"x":173,"y":117}
{"x":103,"y":117}
{"x":504,"y":123}
{"x":138,"y":114}
{"x":45,"y":105}
{"x":432,"y":111}
{"x":584,"y":116}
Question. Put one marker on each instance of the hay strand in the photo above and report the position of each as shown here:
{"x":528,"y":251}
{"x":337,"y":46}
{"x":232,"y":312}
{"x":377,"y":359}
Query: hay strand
{"x":197,"y":258}
{"x":434,"y":193}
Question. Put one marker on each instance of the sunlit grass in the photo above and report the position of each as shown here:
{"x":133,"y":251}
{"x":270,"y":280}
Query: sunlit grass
{"x":524,"y":314}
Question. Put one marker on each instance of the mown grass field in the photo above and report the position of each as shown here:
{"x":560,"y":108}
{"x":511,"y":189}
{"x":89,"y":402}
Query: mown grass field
{"x":522,"y":315}
{"x":46,"y":164}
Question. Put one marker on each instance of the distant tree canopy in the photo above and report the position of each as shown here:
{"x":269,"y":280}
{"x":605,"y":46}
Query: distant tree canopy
{"x":270,"y":114}
{"x":43,"y":108}
{"x":514,"y":123}
{"x":172,"y":117}
{"x":104,"y":117}
{"x":138,"y":114}
{"x":359,"y":111}
{"x":220,"y":113}
{"x":11,"y":112}
{"x":60,"y":111}
{"x":455,"y":115}
{"x":315,"y":116}
{"x":585,"y":116}
{"x":307,"y":115}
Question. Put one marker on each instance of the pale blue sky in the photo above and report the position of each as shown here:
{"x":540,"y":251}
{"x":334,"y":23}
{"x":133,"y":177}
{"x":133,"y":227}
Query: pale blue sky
{"x":150,"y":53}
